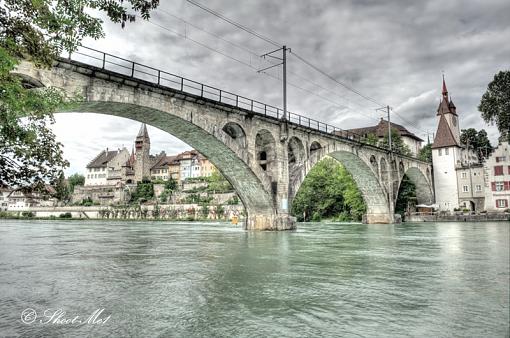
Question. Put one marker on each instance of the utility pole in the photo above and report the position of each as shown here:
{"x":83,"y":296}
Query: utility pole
{"x":283,"y":62}
{"x":387,"y":108}
{"x":389,"y":127}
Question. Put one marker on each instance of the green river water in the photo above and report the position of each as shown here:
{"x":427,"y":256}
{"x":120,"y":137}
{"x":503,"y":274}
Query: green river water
{"x":215,"y":280}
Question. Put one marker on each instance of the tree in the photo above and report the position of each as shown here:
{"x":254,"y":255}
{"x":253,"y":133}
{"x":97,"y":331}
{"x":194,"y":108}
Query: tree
{"x":495,"y":103}
{"x":61,"y":187}
{"x":38,"y":31}
{"x":406,"y":195}
{"x":397,"y":144}
{"x":425,"y":153}
{"x":74,"y":180}
{"x":476,"y":140}
{"x":328,"y":192}
{"x":144,"y":192}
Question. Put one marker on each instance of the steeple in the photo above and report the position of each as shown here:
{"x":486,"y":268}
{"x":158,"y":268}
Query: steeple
{"x":143,"y":134}
{"x":445,"y":91}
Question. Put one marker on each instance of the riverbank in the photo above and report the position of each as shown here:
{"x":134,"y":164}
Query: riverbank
{"x":486,"y":217}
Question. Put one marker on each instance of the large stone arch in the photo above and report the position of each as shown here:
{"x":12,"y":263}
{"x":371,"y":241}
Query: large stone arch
{"x":198,"y":125}
{"x":367,"y":182}
{"x":424,"y":193}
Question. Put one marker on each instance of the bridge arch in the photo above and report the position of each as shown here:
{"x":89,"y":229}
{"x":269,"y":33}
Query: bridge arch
{"x":314,"y":147}
{"x":424,"y":193}
{"x":236,"y":132}
{"x":265,"y":152}
{"x":366,"y":181}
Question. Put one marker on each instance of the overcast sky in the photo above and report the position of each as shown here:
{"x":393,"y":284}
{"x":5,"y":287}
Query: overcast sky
{"x":393,"y":51}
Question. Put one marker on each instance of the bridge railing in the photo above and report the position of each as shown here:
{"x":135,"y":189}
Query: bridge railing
{"x":139,"y":71}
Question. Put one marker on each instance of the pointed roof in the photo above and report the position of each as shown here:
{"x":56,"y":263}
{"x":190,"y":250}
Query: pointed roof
{"x":445,"y":91}
{"x":444,"y":136}
{"x":446,"y":106}
{"x":143,"y":132}
{"x":101,"y":160}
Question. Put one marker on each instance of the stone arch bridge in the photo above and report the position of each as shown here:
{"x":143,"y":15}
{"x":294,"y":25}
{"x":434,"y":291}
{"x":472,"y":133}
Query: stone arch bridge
{"x":265,"y":158}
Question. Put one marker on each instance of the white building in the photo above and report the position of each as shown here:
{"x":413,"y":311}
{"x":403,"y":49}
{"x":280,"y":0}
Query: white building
{"x":497,"y":174}
{"x":457,"y":171}
{"x":104,"y":165}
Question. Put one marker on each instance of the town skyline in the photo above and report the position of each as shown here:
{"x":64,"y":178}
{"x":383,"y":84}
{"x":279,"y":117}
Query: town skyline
{"x":404,"y":73}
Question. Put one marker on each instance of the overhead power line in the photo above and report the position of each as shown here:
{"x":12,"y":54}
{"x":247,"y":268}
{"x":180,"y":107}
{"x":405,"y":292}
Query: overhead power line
{"x":236,"y":24}
{"x":317,"y":69}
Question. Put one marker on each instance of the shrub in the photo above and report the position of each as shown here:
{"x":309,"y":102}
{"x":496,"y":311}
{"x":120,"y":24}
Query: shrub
{"x":27,"y":214}
{"x":66,"y":215}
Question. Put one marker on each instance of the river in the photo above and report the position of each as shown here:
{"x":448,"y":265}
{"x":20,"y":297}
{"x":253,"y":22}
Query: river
{"x":145,"y":279}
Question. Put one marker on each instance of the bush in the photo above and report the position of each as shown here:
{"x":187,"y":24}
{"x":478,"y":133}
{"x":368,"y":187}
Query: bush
{"x":29,"y":214}
{"x":66,"y":215}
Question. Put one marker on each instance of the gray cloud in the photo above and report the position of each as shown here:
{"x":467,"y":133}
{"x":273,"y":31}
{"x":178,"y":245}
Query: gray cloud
{"x":393,"y":51}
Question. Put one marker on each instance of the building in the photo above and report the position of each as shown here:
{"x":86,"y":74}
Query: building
{"x":497,"y":174}
{"x":4,"y":198}
{"x":112,"y":167}
{"x":381,"y":130}
{"x":19,"y":200}
{"x":458,"y":175}
{"x":105,"y":166}
{"x":165,"y":168}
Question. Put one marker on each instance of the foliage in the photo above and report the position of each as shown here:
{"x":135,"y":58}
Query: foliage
{"x":425,"y":153}
{"x":397,"y":144}
{"x":406,"y":195}
{"x":62,"y":192}
{"x":218,"y":183}
{"x":327,"y":192}
{"x":144,"y":192}
{"x":30,"y":156}
{"x":495,"y":103}
{"x":477,"y":140}
{"x":66,"y":215}
{"x":74,"y":180}
{"x":38,"y":31}
{"x":197,"y":199}
{"x":372,"y":139}
{"x":233,"y":201}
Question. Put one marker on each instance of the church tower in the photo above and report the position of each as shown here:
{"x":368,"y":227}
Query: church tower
{"x":142,"y":154}
{"x":446,"y":154}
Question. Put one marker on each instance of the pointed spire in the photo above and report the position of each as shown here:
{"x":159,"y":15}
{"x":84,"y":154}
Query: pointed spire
{"x":445,"y":91}
{"x":143,"y":131}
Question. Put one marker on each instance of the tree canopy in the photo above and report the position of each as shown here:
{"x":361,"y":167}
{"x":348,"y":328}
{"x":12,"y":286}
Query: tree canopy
{"x":328,"y":191}
{"x":495,"y":103}
{"x":477,"y":140}
{"x":38,"y":31}
{"x":425,"y":153}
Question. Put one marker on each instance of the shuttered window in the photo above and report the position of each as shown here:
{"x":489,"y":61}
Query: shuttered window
{"x":498,"y":170}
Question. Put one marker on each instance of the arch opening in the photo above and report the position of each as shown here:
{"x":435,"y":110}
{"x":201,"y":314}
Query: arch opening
{"x":249,"y":188}
{"x":265,"y":151}
{"x":315,"y":146}
{"x":374,"y":164}
{"x":422,"y":187}
{"x":236,"y":132}
{"x":374,"y":197}
{"x":296,"y":156}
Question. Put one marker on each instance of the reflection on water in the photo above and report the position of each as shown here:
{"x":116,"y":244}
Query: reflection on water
{"x":204,"y":280}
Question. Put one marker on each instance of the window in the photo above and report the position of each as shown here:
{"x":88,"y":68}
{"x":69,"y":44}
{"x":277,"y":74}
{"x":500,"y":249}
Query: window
{"x":478,"y":187}
{"x":498,"y":170}
{"x":509,"y":170}
{"x":447,"y":151}
{"x":501,"y":203}
{"x":465,"y":188}
{"x":464,"y":175}
{"x":500,"y":158}
{"x":498,"y":186}
{"x":440,"y":152}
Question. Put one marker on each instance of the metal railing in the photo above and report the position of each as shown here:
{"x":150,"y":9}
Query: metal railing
{"x":135,"y":70}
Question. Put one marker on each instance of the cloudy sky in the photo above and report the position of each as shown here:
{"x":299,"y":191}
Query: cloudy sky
{"x":392,"y":51}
